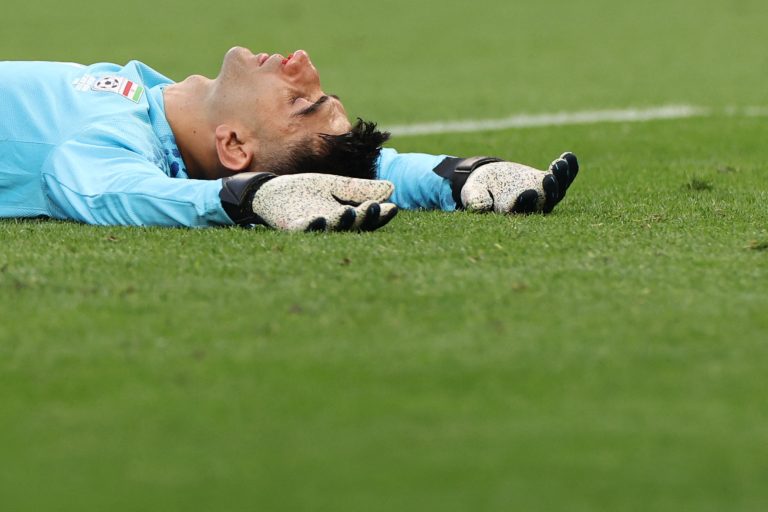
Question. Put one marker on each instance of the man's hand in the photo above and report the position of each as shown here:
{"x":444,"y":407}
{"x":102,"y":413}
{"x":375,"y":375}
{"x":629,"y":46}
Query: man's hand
{"x":507,"y":187}
{"x":483,"y":183}
{"x":308,"y":202}
{"x":316,"y":202}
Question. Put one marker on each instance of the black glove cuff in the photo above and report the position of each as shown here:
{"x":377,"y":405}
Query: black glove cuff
{"x":237,"y":196}
{"x":457,"y":170}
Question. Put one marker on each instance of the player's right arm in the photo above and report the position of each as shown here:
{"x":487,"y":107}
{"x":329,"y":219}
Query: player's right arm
{"x":111,"y":185}
{"x":105,"y":184}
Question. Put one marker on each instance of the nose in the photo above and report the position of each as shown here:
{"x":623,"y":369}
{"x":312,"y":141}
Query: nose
{"x":301,"y":54}
{"x":300,"y":67}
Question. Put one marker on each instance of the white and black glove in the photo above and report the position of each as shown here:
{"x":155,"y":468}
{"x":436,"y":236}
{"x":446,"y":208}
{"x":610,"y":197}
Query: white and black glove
{"x":489,"y":184}
{"x":307,"y":202}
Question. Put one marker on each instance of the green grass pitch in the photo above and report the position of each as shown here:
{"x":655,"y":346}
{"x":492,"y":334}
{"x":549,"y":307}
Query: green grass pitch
{"x":610,"y":356}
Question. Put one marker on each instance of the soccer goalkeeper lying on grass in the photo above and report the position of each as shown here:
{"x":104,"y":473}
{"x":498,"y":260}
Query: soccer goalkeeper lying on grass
{"x":259,"y":144}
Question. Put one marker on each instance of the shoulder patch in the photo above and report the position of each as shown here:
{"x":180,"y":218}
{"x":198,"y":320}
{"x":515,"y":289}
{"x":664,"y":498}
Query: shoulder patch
{"x":110,"y":83}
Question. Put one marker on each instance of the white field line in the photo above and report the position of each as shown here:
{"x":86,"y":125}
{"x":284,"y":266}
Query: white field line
{"x":629,"y":115}
{"x":753,"y":111}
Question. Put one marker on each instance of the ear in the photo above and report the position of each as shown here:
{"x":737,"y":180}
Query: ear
{"x":235,"y":151}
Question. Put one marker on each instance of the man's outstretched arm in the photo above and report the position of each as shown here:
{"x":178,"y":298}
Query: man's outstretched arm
{"x":477,"y":183}
{"x":110,"y":185}
{"x":102,"y":184}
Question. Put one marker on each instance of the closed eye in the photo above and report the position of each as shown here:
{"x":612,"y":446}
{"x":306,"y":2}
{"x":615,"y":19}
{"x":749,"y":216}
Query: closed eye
{"x":306,"y":111}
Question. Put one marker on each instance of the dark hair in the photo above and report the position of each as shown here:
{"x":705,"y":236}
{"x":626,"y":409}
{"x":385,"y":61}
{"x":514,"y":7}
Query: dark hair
{"x":351,"y":154}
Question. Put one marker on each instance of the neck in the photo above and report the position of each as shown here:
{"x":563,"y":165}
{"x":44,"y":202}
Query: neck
{"x":186,"y":109}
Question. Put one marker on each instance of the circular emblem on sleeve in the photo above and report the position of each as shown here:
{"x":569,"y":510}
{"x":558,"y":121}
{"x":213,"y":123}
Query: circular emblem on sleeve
{"x":115,"y":84}
{"x":108,"y":83}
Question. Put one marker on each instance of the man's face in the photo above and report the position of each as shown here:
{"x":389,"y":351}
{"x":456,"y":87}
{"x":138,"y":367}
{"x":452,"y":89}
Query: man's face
{"x":277,"y":100}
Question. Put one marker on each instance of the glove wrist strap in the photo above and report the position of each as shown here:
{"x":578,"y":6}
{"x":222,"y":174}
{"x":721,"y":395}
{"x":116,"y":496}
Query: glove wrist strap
{"x":237,"y":193}
{"x":457,"y":170}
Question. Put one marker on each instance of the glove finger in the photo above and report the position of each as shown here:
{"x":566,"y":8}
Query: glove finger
{"x":476,"y":197}
{"x":317,"y":224}
{"x":573,"y":164}
{"x":387,"y":213}
{"x":356,"y":191}
{"x":367,"y":212}
{"x":311,"y":223}
{"x":552,"y":192}
{"x":527,"y":202}
{"x":341,"y":219}
{"x":565,"y":170}
{"x":378,"y":215}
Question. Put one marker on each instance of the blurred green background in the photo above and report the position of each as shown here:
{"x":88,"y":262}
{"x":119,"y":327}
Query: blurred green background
{"x":400,"y":61}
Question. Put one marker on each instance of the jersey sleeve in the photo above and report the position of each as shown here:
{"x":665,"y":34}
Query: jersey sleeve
{"x":112,"y":185}
{"x":416,"y":184}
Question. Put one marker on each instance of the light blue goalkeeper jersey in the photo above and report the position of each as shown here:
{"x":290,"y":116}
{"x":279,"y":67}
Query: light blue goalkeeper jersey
{"x":416,"y":184}
{"x":92,"y":144}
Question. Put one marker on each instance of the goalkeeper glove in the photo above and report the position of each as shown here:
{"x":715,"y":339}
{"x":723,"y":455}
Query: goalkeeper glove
{"x":490,"y":184}
{"x":307,"y":202}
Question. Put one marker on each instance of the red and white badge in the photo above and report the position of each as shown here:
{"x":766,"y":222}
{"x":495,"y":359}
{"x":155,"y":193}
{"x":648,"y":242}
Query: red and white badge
{"x":112,"y":83}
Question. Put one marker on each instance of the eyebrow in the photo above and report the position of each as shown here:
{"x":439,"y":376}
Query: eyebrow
{"x":316,"y":105}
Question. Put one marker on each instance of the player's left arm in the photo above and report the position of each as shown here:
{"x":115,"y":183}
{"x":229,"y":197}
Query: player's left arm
{"x":477,"y":183}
